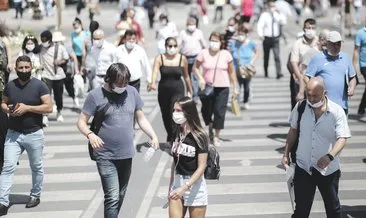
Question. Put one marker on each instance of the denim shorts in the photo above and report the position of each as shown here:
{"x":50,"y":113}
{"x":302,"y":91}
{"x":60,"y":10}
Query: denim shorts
{"x":196,"y":195}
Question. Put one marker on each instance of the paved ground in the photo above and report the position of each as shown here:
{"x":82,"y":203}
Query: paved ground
{"x":252,"y":182}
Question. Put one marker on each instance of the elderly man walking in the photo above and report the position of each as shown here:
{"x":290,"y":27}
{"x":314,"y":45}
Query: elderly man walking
{"x":321,"y":132}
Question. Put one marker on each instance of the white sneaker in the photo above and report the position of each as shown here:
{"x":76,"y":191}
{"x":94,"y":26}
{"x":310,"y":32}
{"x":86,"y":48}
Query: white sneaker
{"x":246,"y":106}
{"x":45,"y":121}
{"x":60,"y":118}
{"x":76,"y":103}
{"x":54,"y":108}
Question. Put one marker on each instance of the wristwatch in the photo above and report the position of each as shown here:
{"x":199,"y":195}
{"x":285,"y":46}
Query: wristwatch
{"x":331,"y":158}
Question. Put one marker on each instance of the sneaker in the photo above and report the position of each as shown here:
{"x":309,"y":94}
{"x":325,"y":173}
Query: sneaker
{"x":3,"y":210}
{"x":246,"y":106}
{"x":60,"y":118}
{"x":76,"y":103}
{"x":45,"y":121}
{"x":361,"y":112}
{"x":54,"y":108}
{"x":217,"y":142}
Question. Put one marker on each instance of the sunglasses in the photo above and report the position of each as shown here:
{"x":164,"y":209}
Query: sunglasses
{"x":171,"y":46}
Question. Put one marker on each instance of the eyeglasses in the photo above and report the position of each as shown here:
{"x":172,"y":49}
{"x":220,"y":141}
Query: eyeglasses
{"x":171,"y":46}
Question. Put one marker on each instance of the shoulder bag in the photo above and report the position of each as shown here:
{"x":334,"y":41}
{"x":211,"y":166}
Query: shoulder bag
{"x":244,"y":71}
{"x":208,"y":91}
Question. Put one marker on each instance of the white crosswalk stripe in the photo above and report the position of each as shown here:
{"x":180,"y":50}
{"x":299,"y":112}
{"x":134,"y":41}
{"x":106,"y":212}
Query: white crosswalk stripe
{"x":252,"y":183}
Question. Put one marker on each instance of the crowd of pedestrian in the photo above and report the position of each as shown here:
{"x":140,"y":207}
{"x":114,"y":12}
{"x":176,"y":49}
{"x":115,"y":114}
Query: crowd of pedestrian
{"x":193,"y":73}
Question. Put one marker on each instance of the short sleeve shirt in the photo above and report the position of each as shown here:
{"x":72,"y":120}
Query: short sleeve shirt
{"x":188,"y":151}
{"x":244,"y":52}
{"x":317,"y":138}
{"x":360,"y":41}
{"x":336,"y":74}
{"x":78,"y":41}
{"x":117,"y":128}
{"x":208,"y":64}
{"x":300,"y":47}
{"x":29,"y":94}
{"x":47,"y":61}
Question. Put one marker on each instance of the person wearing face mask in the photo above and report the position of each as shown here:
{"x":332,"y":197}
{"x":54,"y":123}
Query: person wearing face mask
{"x":102,"y":55}
{"x":187,"y":186}
{"x":244,"y":52}
{"x":52,"y":57}
{"x":135,"y":58}
{"x":299,"y":48}
{"x":25,"y":99}
{"x":172,"y":66}
{"x":164,"y":30}
{"x":229,"y":33}
{"x":323,"y":131}
{"x":113,"y":145}
{"x":217,"y":71}
{"x":136,"y":26}
{"x":336,"y":69}
{"x":191,"y":43}
{"x":78,"y":36}
{"x":31,"y":48}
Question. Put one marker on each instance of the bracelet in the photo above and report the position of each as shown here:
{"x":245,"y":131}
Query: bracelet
{"x":331,"y":158}
{"x":87,"y":135}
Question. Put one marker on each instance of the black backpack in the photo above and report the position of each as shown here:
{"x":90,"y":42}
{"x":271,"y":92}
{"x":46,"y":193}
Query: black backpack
{"x":213,"y":164}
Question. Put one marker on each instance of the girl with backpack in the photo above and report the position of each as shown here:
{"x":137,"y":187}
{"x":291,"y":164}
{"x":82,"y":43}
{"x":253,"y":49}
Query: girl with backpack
{"x":187,"y":188}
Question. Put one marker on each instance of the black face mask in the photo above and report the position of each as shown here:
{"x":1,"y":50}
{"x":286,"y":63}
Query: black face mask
{"x":24,"y":76}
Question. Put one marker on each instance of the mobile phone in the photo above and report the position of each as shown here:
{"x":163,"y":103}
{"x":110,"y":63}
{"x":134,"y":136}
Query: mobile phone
{"x":11,"y":107}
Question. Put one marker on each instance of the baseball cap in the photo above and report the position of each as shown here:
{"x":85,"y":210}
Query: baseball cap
{"x":334,"y":36}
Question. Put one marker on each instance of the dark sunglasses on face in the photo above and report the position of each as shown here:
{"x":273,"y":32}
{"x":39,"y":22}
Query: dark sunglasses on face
{"x":171,"y":46}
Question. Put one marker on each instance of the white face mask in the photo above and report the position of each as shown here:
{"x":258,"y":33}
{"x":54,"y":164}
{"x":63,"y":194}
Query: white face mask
{"x":231,"y":28}
{"x":30,"y":47}
{"x":98,"y":43}
{"x":179,"y":118}
{"x":130,"y":45}
{"x":215,"y":46}
{"x":46,"y":44}
{"x":315,"y":105}
{"x":119,"y":90}
{"x":309,"y":33}
{"x":171,"y":51}
{"x":78,"y":30}
{"x":191,"y":28}
{"x":242,"y":38}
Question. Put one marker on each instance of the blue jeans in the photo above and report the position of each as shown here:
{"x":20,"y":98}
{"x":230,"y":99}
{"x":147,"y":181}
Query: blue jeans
{"x":194,"y":79}
{"x":15,"y":144}
{"x":305,"y":186}
{"x":115,"y":175}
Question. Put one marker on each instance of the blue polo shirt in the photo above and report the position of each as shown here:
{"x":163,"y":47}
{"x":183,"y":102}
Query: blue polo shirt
{"x":360,"y":41}
{"x":336,"y":74}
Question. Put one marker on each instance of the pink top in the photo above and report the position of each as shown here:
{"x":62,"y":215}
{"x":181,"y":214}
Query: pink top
{"x":247,"y":7}
{"x":208,"y":64}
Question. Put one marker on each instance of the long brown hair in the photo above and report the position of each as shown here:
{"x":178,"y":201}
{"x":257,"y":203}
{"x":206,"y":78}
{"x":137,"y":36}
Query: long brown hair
{"x":190,"y":112}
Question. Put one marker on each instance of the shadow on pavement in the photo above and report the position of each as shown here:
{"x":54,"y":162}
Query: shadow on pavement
{"x":18,"y":199}
{"x":278,"y":137}
{"x":356,"y":117}
{"x":279,"y":124}
{"x":76,"y":110}
{"x":358,"y":211}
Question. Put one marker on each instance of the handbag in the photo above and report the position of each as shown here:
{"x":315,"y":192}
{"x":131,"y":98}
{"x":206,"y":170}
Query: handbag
{"x":208,"y":91}
{"x":244,"y":71}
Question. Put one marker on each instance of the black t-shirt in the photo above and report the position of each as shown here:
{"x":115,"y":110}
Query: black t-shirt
{"x":188,"y":156}
{"x":29,"y":94}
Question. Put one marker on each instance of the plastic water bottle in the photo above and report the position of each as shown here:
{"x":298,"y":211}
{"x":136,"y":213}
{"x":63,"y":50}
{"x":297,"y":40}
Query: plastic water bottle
{"x":149,"y":153}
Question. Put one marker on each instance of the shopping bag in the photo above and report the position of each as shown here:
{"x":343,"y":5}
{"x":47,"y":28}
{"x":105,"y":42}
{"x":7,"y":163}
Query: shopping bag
{"x":235,"y":107}
{"x":290,"y":173}
{"x":79,"y":86}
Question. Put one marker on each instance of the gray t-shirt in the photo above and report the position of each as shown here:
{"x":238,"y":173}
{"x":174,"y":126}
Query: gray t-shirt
{"x":117,"y":128}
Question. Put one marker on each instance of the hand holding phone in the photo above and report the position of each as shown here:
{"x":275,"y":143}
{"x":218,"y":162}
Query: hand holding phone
{"x":11,"y":108}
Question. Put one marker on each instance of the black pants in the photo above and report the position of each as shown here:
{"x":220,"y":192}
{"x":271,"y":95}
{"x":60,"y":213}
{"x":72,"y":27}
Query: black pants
{"x":274,"y":44}
{"x":3,"y":130}
{"x":169,"y":92}
{"x":151,"y":16}
{"x":294,"y":89}
{"x":216,"y":106}
{"x":362,"y":106}
{"x":79,"y":6}
{"x":135,"y":84}
{"x":246,"y":88}
{"x":18,"y":9}
{"x":69,"y":85}
{"x":305,"y":186}
{"x":218,"y":10}
{"x":57,"y":86}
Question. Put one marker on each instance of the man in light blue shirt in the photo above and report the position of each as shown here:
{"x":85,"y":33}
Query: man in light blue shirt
{"x":336,"y":69}
{"x":359,"y":62}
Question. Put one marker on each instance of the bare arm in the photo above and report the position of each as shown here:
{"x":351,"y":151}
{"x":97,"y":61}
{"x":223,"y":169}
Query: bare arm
{"x":300,"y":80}
{"x":4,"y":104}
{"x":44,"y":108}
{"x":146,"y":128}
{"x":202,"y":163}
{"x":352,"y":86}
{"x":290,"y":141}
{"x":187,"y":79}
{"x":356,"y":58}
{"x":255,"y":55}
{"x":233,"y":78}
{"x":156,"y":69}
{"x":196,"y":70}
{"x":83,"y":127}
{"x":83,"y":57}
{"x":324,"y":161}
